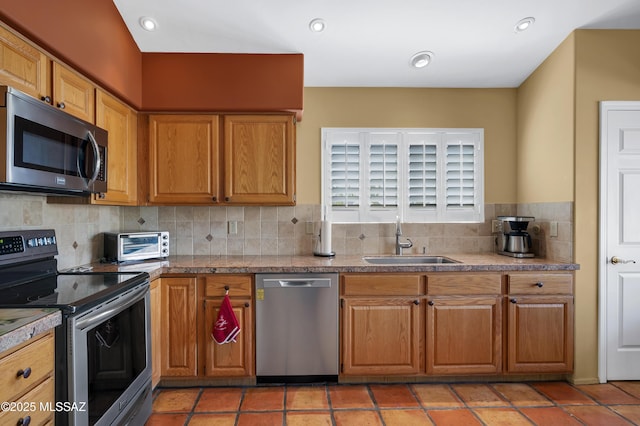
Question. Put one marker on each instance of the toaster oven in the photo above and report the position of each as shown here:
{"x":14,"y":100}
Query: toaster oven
{"x":128,"y":246}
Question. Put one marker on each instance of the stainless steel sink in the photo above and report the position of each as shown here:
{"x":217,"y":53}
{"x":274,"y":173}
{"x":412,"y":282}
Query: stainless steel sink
{"x":408,"y":260}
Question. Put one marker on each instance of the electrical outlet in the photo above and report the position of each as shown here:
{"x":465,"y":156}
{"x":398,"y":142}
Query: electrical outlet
{"x":233,"y":227}
{"x":496,"y":226}
{"x":308,"y":228}
{"x":553,"y":229}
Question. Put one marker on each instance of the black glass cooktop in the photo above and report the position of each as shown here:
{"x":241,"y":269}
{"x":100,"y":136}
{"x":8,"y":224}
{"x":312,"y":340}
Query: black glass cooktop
{"x":70,"y":291}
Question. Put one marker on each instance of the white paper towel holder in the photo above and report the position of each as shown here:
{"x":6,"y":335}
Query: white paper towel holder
{"x":318,"y":251}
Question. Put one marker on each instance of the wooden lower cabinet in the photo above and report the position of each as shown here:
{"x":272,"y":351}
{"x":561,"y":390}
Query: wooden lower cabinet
{"x":229,"y":359}
{"x":381,"y":336}
{"x":179,"y":328}
{"x":32,"y":390}
{"x":464,"y":335}
{"x":381,"y":324}
{"x":540,"y":322}
{"x":235,"y":359}
{"x":464,"y":323}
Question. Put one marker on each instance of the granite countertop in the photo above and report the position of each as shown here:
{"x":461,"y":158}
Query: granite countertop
{"x":339,"y":263}
{"x":19,"y":325}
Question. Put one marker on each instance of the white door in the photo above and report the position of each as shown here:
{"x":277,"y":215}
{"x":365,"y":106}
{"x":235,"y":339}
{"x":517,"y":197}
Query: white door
{"x":619,"y":241}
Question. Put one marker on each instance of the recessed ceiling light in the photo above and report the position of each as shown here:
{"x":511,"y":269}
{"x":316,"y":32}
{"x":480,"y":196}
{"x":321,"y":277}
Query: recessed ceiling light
{"x":148,"y":24}
{"x":524,"y":24}
{"x":317,"y":25}
{"x":421,"y":59}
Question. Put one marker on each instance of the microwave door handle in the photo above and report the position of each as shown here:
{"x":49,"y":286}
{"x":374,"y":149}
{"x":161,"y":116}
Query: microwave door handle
{"x":96,"y":151}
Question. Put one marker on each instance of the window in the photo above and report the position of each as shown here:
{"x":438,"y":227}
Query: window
{"x":418,"y":175}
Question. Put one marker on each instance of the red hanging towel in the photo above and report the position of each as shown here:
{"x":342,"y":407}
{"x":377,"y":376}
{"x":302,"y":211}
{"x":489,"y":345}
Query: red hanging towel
{"x":226,"y":327}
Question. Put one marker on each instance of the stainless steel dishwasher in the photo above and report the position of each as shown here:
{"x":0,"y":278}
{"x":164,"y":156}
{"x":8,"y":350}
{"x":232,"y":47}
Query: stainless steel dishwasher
{"x":296,"y":327}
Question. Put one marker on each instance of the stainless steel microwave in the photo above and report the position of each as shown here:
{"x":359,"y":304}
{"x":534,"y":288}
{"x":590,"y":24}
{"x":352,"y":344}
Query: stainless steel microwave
{"x":128,"y":246}
{"x":47,"y":150}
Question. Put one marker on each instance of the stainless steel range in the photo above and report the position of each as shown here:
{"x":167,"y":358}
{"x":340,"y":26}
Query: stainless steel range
{"x":103,"y":349}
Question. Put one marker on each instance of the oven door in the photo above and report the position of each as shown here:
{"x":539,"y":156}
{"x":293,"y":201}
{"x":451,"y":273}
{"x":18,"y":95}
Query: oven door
{"x":109,"y":364}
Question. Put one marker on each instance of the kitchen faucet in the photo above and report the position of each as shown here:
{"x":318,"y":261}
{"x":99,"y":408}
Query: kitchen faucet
{"x":399,"y":245}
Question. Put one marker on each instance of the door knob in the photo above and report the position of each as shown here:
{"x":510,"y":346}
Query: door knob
{"x":615,"y":260}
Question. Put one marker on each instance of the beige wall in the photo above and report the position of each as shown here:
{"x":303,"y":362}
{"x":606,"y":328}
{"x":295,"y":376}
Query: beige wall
{"x":492,"y":109}
{"x":557,"y":151}
{"x":546,"y":129}
{"x":607,"y":68}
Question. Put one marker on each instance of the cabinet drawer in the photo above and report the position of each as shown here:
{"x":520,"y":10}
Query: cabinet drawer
{"x":382,"y":285}
{"x":38,"y":356}
{"x":463,"y":283}
{"x":239,"y":285}
{"x":540,"y":284}
{"x":42,"y":396}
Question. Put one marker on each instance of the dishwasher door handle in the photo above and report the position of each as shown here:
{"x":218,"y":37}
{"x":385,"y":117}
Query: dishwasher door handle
{"x":297,"y":282}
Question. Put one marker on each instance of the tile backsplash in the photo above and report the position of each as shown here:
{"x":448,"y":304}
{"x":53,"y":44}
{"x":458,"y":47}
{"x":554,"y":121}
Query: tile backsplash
{"x":271,"y":230}
{"x":78,"y":228}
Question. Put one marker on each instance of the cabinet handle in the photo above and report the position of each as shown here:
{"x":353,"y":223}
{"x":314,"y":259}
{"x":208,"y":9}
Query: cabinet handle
{"x":246,"y":304}
{"x":227,"y":199}
{"x":416,"y":302}
{"x":514,"y":300}
{"x":24,"y":421}
{"x":539,"y":284}
{"x":431,"y":303}
{"x":61,"y":105}
{"x":24,"y":373}
{"x":215,"y":198}
{"x":46,"y":99}
{"x":101,"y":195}
{"x":226,"y":287}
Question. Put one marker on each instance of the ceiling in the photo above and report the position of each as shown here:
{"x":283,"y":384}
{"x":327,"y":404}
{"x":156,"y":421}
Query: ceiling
{"x":368,"y":43}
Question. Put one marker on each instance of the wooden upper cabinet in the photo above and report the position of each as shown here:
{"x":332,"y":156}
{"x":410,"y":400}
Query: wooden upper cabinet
{"x":183,"y":159}
{"x":23,"y":66}
{"x":259,"y":159}
{"x":73,"y":93}
{"x":121,"y":123}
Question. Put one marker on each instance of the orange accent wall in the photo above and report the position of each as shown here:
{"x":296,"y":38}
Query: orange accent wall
{"x":222,"y":82}
{"x":89,"y":35}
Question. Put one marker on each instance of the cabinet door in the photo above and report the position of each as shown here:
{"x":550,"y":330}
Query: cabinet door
{"x":179,"y":336}
{"x":183,"y":159}
{"x":156,"y":332}
{"x":259,"y":159}
{"x":229,"y":359}
{"x":380,"y":336}
{"x":23,"y":66}
{"x":464,"y":335}
{"x":540,"y":334}
{"x":73,"y":93}
{"x":121,"y":123}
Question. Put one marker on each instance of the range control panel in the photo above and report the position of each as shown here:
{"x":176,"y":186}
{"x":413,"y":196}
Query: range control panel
{"x":11,"y":244}
{"x":18,"y":246}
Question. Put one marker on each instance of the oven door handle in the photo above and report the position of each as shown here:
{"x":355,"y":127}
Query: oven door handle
{"x":122,"y":302}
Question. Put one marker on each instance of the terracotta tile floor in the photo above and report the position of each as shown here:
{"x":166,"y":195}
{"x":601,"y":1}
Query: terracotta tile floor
{"x":512,"y":404}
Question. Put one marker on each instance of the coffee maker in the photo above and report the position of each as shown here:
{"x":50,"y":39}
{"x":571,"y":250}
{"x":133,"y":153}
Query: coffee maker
{"x":514,"y":240}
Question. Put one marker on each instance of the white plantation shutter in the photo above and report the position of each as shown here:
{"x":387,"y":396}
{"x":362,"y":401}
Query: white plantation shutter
{"x":422,"y":179}
{"x":345,"y":175}
{"x":383,"y":171}
{"x":420,"y":175}
{"x":460,"y":181}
